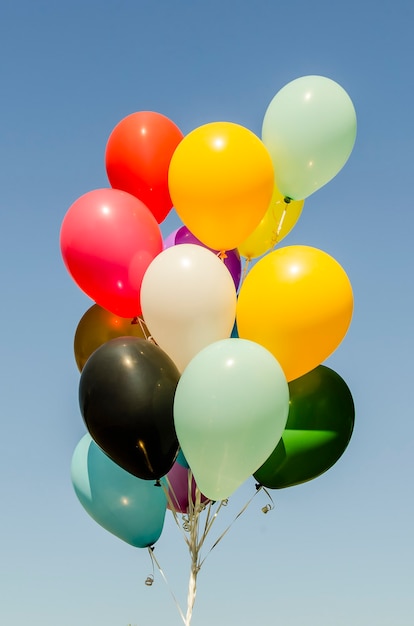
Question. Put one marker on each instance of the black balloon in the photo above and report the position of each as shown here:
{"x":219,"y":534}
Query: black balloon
{"x":126,"y":397}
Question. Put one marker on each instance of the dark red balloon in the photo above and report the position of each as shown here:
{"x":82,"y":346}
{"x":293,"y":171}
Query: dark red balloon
{"x":126,"y":396}
{"x":138,"y":155}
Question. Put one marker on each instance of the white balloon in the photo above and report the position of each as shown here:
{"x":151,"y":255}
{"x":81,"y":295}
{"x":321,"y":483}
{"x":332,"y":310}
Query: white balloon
{"x":188,"y":301}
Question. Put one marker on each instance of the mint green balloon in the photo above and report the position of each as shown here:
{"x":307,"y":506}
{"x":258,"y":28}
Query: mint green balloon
{"x":309,"y":129}
{"x":230,"y":410}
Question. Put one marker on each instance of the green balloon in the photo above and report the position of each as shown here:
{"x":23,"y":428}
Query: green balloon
{"x":318,"y":430}
{"x":230,"y":409}
{"x":309,"y":129}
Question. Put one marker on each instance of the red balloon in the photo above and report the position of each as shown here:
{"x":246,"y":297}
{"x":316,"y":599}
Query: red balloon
{"x":108,"y":239}
{"x":137,"y":158}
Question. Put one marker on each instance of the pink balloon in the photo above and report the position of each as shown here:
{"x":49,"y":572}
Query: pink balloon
{"x":108,"y":239}
{"x":178,"y":488}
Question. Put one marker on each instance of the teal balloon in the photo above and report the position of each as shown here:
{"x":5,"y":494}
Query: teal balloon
{"x":130,"y":508}
{"x":309,"y":129}
{"x":230,"y":410}
{"x":318,"y":430}
{"x":181,"y":459}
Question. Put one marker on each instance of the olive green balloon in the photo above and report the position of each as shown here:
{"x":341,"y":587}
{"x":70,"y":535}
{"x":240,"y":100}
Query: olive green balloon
{"x":309,"y":129}
{"x":318,"y":430}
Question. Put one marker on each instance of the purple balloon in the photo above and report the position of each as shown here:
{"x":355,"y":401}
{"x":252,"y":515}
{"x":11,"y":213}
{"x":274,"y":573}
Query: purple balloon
{"x":170,"y":240}
{"x":178,"y":488}
{"x":232,"y":260}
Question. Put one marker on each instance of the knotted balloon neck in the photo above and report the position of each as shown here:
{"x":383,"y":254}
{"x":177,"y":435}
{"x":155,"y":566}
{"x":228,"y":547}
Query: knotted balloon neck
{"x":276,"y":233}
{"x":222,"y":255}
{"x":144,"y":329}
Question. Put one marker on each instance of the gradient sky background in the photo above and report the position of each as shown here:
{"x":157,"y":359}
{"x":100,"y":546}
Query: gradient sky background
{"x":335,"y":551}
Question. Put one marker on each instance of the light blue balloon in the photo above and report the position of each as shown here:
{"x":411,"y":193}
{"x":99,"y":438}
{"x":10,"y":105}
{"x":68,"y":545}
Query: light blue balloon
{"x":128,"y":507}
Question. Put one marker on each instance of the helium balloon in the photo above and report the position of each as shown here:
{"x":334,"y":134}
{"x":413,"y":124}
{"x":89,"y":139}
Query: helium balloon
{"x":231,"y":259}
{"x":309,"y":129}
{"x":221,"y":182}
{"x":137,"y":158}
{"x":97,"y":326}
{"x":108,"y":238}
{"x":188,"y":301}
{"x":318,"y":430}
{"x":230,"y":410}
{"x":126,"y":396}
{"x":179,"y":480}
{"x":297,"y":302}
{"x":181,"y":459}
{"x":128,"y":507}
{"x":170,"y":239}
{"x":280,"y":218}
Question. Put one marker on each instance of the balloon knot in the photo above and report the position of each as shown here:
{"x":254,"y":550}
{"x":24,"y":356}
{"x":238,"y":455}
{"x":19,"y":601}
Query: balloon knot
{"x":157,"y":483}
{"x":149,"y":580}
{"x":222,"y":255}
{"x":287,"y":200}
{"x":267,"y":508}
{"x":134,"y":320}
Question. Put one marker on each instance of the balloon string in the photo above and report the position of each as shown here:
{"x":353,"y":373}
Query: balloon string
{"x":142,"y":325}
{"x":268,"y":507}
{"x":275,"y":236}
{"x":195,"y":510}
{"x":245,"y":270}
{"x":154,"y":560}
{"x":209,"y":525}
{"x":258,"y":488}
{"x":168,"y":490}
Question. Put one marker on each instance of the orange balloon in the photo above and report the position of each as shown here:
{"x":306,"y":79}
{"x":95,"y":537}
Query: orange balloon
{"x":297,"y":302}
{"x":221,"y":181}
{"x":96,"y":327}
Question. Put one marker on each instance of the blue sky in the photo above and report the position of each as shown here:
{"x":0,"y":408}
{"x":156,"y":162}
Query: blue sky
{"x":337,"y":550}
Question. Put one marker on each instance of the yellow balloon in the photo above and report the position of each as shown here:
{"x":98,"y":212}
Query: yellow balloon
{"x":278,"y":221}
{"x":96,"y":327}
{"x":297,"y":302}
{"x":221,"y":181}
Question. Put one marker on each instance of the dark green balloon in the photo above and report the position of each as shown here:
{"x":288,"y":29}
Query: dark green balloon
{"x":318,"y":430}
{"x":126,"y":397}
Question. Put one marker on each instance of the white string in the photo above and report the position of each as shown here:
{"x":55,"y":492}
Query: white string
{"x":152,"y":555}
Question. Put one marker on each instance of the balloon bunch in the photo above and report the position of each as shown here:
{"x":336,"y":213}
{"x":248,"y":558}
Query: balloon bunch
{"x":194,"y":377}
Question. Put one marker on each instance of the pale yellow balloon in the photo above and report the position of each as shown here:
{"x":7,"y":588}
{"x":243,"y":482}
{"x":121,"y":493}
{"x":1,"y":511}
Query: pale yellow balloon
{"x":278,"y":221}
